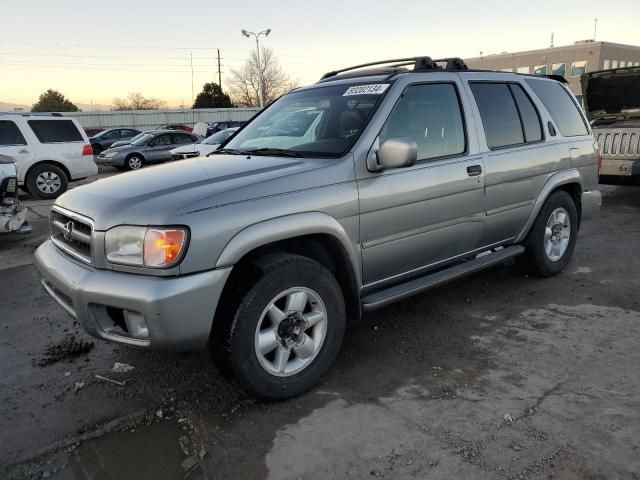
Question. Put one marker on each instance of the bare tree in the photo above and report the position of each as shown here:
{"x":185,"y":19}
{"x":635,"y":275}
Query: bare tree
{"x":137,"y":101}
{"x":244,"y":81}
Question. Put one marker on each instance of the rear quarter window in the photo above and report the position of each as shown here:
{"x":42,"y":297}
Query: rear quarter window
{"x":562,"y":108}
{"x":55,"y":131}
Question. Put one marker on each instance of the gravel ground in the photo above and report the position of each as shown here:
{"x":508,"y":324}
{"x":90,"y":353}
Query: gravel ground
{"x":497,"y":376}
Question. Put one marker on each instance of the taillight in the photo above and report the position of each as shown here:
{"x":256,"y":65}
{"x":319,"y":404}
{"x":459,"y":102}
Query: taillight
{"x":599,"y":161}
{"x":87,"y":150}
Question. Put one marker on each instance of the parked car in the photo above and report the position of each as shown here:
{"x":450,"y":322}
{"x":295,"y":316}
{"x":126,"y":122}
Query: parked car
{"x":13,"y":215}
{"x":412,"y":178}
{"x":612,"y":101}
{"x":205,"y":147}
{"x":106,"y":138}
{"x":152,"y":147}
{"x":120,"y":143}
{"x":176,"y":126}
{"x":215,"y":127}
{"x":49,"y":150}
{"x":92,"y":131}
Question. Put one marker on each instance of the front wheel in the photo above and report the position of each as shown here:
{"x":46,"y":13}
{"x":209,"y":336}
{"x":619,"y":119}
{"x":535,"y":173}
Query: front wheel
{"x":286,"y":331}
{"x":46,"y":181}
{"x":552,"y":238}
{"x":133,"y":162}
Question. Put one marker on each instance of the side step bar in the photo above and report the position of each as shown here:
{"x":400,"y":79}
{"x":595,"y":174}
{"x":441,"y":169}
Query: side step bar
{"x":407,"y":289}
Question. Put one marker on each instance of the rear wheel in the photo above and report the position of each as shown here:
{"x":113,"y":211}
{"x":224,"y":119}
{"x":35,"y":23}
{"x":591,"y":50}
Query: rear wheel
{"x":286,"y":329}
{"x":552,"y":238}
{"x":46,"y":181}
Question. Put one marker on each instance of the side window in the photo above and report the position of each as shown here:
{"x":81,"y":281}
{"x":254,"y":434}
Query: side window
{"x":10,"y":134}
{"x":111,"y":135}
{"x":163,"y":140}
{"x":499,"y":114}
{"x":431,"y":115}
{"x":55,"y":131}
{"x":181,"y":139}
{"x":126,"y":133}
{"x":562,"y":108}
{"x":528,"y":114}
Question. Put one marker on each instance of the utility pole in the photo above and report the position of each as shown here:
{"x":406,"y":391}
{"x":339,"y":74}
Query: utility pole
{"x":219,"y":72}
{"x":552,"y":39}
{"x":595,"y":28}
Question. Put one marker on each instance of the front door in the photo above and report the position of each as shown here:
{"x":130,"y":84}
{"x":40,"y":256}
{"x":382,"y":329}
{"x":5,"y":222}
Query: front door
{"x":416,"y":218}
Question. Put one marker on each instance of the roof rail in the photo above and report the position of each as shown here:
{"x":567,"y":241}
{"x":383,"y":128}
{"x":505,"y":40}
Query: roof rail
{"x":34,"y":114}
{"x":419,"y":64}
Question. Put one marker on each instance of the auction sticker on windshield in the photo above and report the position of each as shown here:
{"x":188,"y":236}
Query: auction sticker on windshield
{"x":374,"y":89}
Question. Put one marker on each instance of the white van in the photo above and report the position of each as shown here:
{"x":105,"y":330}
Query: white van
{"x":49,"y":151}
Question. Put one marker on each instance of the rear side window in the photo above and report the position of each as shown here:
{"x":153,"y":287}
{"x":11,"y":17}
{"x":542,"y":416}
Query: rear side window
{"x":430,"y":114}
{"x":561,"y":107}
{"x":499,"y":114}
{"x":55,"y":131}
{"x":10,"y":134}
{"x":180,"y":139}
{"x":528,"y":114}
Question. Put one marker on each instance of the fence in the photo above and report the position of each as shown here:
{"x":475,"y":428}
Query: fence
{"x":150,"y":119}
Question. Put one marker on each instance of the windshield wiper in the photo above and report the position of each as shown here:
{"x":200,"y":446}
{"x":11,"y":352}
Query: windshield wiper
{"x":229,"y":151}
{"x":276,"y":152}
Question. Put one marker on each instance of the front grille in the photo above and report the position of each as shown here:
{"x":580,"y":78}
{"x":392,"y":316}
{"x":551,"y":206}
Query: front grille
{"x":619,"y":144}
{"x":72,"y":233}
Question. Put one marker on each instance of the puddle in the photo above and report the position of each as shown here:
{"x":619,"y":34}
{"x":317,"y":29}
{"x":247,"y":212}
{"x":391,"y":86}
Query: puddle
{"x":148,"y":453}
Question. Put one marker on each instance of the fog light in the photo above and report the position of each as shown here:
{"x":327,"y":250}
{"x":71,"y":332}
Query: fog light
{"x":136,"y":325}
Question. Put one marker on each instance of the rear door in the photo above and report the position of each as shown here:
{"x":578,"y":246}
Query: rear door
{"x":415,"y":218}
{"x":14,"y":144}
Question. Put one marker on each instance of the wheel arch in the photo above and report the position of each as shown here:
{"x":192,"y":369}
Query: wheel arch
{"x":316,"y":235}
{"x":48,"y":162}
{"x":569,"y":181}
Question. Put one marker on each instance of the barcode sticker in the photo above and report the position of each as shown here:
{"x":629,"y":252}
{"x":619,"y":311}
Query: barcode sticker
{"x":374,"y":89}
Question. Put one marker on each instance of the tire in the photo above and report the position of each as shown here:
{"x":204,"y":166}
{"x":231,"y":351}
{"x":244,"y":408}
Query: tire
{"x":46,"y":181}
{"x":134,"y":161}
{"x":312,"y":349}
{"x":547,"y":248}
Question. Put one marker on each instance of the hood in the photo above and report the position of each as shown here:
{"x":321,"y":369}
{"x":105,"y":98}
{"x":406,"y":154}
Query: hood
{"x":168,"y":193}
{"x":612,"y":93}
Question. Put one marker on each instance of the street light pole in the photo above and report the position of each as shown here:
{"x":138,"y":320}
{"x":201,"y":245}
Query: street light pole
{"x":260,"y":80}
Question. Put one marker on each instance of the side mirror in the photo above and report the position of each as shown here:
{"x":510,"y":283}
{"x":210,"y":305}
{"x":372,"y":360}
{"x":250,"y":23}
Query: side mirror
{"x":397,"y":153}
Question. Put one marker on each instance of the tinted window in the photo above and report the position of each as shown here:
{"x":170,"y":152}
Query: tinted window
{"x":182,"y":139}
{"x":163,"y":140}
{"x":430,"y":115}
{"x":528,"y":114}
{"x":499,"y":114}
{"x":111,"y":135}
{"x":53,"y":131}
{"x":561,"y":106}
{"x":10,"y":134}
{"x":127,"y":133}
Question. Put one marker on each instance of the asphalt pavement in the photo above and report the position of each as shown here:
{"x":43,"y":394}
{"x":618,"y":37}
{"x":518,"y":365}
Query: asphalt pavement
{"x":501,"y":375}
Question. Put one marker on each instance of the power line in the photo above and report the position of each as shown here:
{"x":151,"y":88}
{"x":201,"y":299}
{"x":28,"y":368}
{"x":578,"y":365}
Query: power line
{"x":84,"y":67}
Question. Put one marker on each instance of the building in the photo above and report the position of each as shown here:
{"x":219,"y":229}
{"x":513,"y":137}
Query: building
{"x":569,"y":61}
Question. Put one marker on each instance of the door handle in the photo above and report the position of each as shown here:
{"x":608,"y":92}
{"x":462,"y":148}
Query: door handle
{"x":474,"y":170}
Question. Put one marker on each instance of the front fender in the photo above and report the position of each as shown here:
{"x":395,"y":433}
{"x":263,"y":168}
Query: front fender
{"x":285,"y":227}
{"x":556,"y":180}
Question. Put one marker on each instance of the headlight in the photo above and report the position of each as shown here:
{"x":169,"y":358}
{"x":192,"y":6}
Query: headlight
{"x":153,"y":247}
{"x":111,"y":154}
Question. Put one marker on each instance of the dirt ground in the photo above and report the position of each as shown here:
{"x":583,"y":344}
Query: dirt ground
{"x":498,"y":376}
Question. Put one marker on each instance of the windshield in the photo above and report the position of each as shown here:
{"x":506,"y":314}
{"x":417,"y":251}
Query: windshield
{"x":322,"y":121}
{"x":140,"y":135}
{"x":219,"y":137}
{"x":143,"y":139}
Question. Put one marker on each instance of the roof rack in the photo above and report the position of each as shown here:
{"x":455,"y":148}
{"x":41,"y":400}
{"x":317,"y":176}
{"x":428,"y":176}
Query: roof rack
{"x":419,"y":64}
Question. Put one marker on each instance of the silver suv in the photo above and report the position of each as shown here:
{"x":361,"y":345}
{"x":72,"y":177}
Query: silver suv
{"x":368,"y":187}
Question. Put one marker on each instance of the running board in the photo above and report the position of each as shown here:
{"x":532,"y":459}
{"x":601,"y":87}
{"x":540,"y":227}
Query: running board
{"x":404,"y":290}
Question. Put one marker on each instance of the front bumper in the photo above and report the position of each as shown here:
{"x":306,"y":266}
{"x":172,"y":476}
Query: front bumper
{"x":591,"y":203}
{"x":177,"y":311}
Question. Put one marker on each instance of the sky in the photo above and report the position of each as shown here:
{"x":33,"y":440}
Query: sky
{"x":94,"y":52}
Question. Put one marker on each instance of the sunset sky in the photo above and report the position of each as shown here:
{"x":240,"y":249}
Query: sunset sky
{"x":95,"y":51}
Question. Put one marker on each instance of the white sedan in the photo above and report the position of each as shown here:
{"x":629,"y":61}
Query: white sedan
{"x":203,"y":148}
